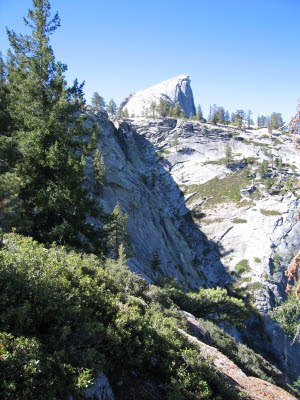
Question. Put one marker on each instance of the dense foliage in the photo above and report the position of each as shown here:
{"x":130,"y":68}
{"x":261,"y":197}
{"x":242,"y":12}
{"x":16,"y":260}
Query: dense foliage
{"x":44,"y":145}
{"x":65,"y":316}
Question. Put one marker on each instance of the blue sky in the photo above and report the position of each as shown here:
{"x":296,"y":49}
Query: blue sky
{"x":239,"y":54}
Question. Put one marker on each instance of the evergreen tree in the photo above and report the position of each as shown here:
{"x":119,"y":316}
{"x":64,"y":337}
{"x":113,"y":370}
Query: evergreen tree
{"x":276,"y":120}
{"x":8,"y":148}
{"x":153,"y":108}
{"x":163,"y":108}
{"x":228,"y":156}
{"x":112,"y":107}
{"x":120,"y":112}
{"x":258,"y":121}
{"x":177,"y":111}
{"x":175,"y":141}
{"x":239,"y":118}
{"x":126,"y":113}
{"x":249,"y":120}
{"x":199,"y":114}
{"x":99,"y":171}
{"x":227,"y":117}
{"x":98,"y":101}
{"x":210,"y":114}
{"x":270,"y":127}
{"x":116,"y":231}
{"x":221,"y":113}
{"x":47,"y":124}
{"x":4,"y":116}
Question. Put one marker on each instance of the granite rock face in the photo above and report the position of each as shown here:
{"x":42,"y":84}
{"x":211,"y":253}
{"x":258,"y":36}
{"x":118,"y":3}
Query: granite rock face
{"x":242,"y":236}
{"x":176,"y":91}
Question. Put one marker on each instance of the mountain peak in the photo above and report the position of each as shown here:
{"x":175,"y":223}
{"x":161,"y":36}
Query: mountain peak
{"x":176,"y":90}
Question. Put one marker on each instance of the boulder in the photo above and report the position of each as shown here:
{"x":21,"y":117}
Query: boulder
{"x":101,"y":390}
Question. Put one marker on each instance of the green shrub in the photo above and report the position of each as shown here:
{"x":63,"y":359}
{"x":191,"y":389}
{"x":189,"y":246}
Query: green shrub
{"x":242,"y":267}
{"x":257,"y":260}
{"x":214,"y":304}
{"x":250,"y":362}
{"x":270,"y":213}
{"x":66,"y":316}
{"x":239,"y":221}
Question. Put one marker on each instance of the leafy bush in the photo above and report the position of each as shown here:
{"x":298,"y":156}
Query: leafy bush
{"x":239,"y":221}
{"x":250,"y":362}
{"x":66,"y":316}
{"x":242,"y":267}
{"x":213,"y":304}
{"x":270,"y":212}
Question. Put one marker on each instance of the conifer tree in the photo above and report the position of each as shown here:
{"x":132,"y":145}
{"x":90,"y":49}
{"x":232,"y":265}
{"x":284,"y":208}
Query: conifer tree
{"x":228,"y":156}
{"x":120,"y":112}
{"x":47,"y":124}
{"x":116,"y":230}
{"x":249,"y":120}
{"x":153,"y":108}
{"x":98,"y":101}
{"x":177,"y":111}
{"x":175,"y":141}
{"x":112,"y":107}
{"x":163,"y":108}
{"x":7,"y":147}
{"x":99,"y":171}
{"x":227,"y":117}
{"x":199,"y":114}
{"x":126,"y":113}
{"x":239,"y":118}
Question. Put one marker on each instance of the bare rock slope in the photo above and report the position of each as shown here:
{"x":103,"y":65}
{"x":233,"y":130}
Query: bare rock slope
{"x":193,"y":218}
{"x":175,"y":90}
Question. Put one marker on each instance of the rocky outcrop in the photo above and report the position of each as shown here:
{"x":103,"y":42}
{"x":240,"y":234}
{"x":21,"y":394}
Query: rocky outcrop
{"x":252,"y":388}
{"x":176,"y":91}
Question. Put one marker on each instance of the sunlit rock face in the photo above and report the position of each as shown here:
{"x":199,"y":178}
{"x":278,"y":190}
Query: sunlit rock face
{"x":176,"y":91}
{"x":193,"y":218}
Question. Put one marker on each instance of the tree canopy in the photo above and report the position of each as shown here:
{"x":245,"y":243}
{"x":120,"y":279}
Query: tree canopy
{"x":47,"y":131}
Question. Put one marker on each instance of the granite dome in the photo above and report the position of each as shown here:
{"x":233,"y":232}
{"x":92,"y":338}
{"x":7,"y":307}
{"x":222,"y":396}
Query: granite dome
{"x":175,"y":90}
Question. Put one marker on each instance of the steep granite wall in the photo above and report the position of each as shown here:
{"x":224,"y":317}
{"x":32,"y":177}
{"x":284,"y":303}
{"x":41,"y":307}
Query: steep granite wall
{"x":176,"y":91}
{"x":234,"y":231}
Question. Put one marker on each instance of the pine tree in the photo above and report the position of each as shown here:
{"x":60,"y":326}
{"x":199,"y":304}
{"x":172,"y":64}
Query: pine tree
{"x":177,"y":111}
{"x":153,"y":108}
{"x":175,"y":141}
{"x":239,"y":118}
{"x":199,"y":114}
{"x":98,"y":101}
{"x":116,"y":231}
{"x":112,"y":107}
{"x":227,"y":117}
{"x":221,"y":113}
{"x":228,"y":156}
{"x":8,"y":148}
{"x":120,"y":112}
{"x":249,"y":120}
{"x":47,"y":125}
{"x":163,"y":108}
{"x":99,"y":171}
{"x":126,"y":113}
